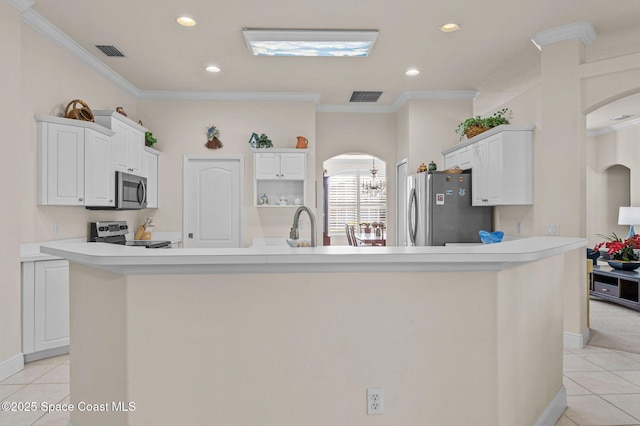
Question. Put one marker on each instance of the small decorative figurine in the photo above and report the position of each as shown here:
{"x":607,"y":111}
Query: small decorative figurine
{"x":212,"y":138}
{"x":422,"y":168}
{"x":433,"y":166}
{"x":120,"y":110}
{"x":264,"y":199}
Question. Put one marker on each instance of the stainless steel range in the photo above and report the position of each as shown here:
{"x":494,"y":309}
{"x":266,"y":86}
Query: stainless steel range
{"x":115,"y":233}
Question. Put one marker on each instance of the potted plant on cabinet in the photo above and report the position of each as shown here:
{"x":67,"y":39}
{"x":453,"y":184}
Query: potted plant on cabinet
{"x":475,"y":125}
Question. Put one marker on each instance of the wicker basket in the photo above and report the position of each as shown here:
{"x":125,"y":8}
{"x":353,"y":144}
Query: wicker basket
{"x":453,"y":171}
{"x":475,"y":131}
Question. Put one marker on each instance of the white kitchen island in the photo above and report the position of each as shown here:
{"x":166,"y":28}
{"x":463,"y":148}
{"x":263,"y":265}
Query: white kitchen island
{"x":454,"y":335}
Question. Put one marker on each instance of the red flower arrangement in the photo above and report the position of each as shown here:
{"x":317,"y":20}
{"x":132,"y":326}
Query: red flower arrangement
{"x":619,"y":249}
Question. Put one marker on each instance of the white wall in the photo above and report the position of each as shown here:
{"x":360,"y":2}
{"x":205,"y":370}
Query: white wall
{"x":51,"y":78}
{"x":180,"y":127}
{"x":373,"y":134}
{"x":11,"y":168}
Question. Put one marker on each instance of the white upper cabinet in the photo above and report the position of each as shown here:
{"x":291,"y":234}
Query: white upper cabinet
{"x":280,"y":176}
{"x":150,"y":171}
{"x":501,"y":160}
{"x":462,"y":158}
{"x":99,"y":177}
{"x":285,"y":166}
{"x":74,"y":163}
{"x":128,"y":141}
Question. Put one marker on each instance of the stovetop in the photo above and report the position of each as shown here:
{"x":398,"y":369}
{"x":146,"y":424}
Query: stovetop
{"x":115,"y":232}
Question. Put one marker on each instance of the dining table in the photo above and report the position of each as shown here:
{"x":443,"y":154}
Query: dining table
{"x":371,"y":239}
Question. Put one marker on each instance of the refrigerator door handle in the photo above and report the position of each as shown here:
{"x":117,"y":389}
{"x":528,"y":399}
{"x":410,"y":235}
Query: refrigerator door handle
{"x":412,"y":219}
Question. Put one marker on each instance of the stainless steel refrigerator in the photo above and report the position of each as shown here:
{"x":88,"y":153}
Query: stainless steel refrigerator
{"x":440,"y":210}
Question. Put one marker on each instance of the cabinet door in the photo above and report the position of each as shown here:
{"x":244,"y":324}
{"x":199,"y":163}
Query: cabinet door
{"x":479,"y":171}
{"x":267,"y":166}
{"x":494,"y":171}
{"x":292,"y":166}
{"x":135,"y":148}
{"x":99,"y":178}
{"x":65,"y":165}
{"x":119,"y":145}
{"x":51,"y":325}
{"x":150,"y":167}
{"x":465,"y":158}
{"x":450,"y":160}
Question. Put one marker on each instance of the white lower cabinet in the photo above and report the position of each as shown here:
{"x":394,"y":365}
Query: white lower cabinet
{"x":45,"y":309}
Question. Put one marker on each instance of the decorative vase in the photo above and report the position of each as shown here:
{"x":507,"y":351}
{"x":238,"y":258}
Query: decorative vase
{"x":624,"y":265}
{"x":302,"y":142}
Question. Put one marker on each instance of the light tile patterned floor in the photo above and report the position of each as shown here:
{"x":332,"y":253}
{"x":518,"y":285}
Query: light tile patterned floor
{"x":603,"y":388}
{"x":47,"y":381}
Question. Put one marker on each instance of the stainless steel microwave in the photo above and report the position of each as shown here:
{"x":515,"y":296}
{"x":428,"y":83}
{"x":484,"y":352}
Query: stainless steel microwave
{"x":131,"y":191}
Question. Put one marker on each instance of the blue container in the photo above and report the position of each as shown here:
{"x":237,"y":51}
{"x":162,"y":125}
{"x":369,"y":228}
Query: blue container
{"x":491,"y":237}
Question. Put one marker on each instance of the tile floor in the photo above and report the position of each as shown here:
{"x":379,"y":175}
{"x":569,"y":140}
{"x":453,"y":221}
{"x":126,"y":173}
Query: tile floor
{"x":603,"y":388}
{"x":46,"y":380}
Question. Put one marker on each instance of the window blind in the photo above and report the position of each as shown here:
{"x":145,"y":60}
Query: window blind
{"x":347,"y":205}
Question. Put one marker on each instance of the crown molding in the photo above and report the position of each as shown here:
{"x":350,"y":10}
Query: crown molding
{"x":22,"y":5}
{"x":167,"y":95}
{"x":611,"y":129}
{"x":51,"y":32}
{"x":442,"y":95}
{"x":582,"y":30}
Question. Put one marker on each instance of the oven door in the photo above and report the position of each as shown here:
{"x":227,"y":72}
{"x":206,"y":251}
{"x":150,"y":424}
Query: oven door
{"x":131,"y":191}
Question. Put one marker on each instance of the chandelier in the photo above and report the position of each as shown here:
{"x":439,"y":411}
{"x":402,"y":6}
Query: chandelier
{"x":374,"y":186}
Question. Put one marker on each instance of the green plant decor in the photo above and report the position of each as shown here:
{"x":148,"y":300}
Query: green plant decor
{"x":149,"y":140}
{"x":264,"y":142}
{"x":497,"y":118}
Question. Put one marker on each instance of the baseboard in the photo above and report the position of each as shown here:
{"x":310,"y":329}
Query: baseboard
{"x":11,"y":366}
{"x":46,"y":353}
{"x":576,"y":340}
{"x":554,"y":410}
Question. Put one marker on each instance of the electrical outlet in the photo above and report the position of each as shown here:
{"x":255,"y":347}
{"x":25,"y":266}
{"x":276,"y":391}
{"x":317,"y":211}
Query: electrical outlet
{"x":552,"y":229}
{"x":375,"y":404}
{"x":56,"y":230}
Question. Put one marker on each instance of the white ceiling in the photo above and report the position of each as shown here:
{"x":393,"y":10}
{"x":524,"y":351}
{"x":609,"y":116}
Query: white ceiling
{"x":492,"y":53}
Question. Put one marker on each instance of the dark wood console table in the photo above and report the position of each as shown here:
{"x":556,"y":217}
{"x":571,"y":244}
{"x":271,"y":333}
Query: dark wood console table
{"x":621,"y":287}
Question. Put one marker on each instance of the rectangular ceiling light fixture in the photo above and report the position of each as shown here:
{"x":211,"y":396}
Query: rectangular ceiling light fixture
{"x":281,"y":42}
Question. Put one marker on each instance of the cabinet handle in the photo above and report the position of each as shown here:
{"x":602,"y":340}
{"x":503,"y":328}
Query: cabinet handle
{"x":604,"y":290}
{"x":80,"y":199}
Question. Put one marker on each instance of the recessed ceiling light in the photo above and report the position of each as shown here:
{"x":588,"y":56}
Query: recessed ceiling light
{"x":450,"y":27}
{"x":412,"y":72}
{"x":212,"y":68}
{"x":282,"y":42}
{"x":186,"y":21}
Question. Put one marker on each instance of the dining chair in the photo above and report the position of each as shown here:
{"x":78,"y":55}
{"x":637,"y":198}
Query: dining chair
{"x":352,"y":236}
{"x":347,"y":229}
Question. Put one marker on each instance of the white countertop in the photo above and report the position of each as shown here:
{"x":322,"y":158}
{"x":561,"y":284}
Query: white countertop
{"x":136,"y":260}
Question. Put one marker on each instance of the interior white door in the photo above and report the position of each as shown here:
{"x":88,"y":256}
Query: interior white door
{"x":213,"y":202}
{"x":401,"y":202}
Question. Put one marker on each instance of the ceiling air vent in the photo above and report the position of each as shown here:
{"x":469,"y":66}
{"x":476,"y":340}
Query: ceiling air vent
{"x":359,"y":96}
{"x":110,"y":50}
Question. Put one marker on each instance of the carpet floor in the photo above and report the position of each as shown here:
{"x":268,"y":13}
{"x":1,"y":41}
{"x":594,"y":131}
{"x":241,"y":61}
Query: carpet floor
{"x":614,"y":327}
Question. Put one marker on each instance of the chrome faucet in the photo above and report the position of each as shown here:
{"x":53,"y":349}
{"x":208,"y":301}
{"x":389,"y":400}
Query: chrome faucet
{"x":294,"y":234}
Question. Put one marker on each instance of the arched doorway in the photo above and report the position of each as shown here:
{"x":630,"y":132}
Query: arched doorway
{"x":611,"y":183}
{"x":355,"y":194}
